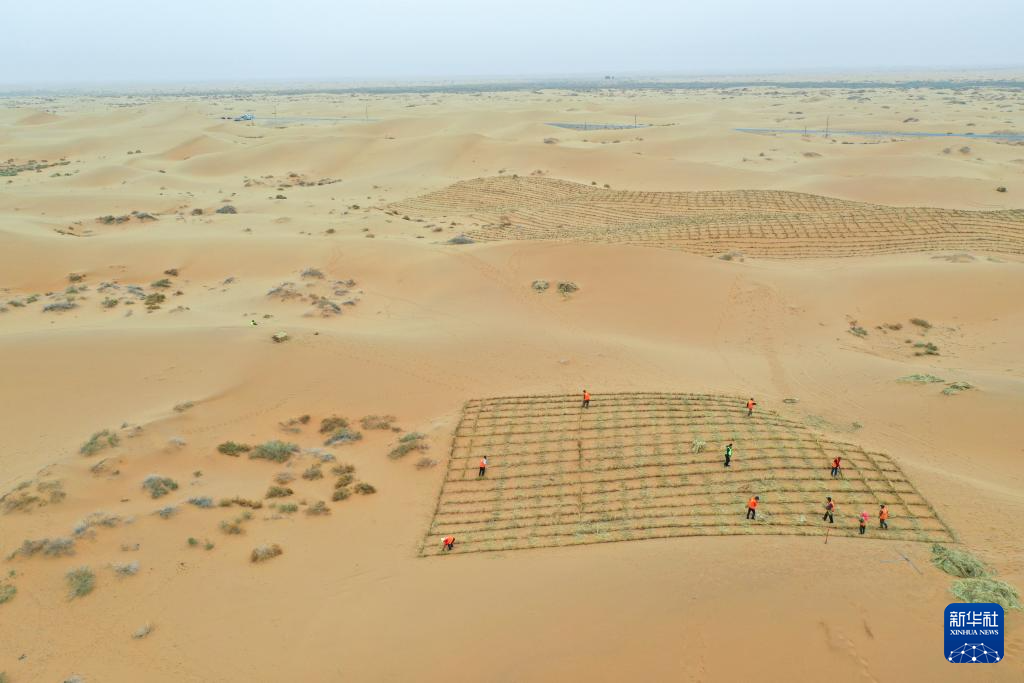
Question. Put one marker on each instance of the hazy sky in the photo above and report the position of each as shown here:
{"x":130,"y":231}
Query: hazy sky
{"x":95,"y":41}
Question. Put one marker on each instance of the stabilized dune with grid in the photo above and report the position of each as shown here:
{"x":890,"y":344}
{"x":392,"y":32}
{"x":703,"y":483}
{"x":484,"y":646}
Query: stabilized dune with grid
{"x":650,"y":465}
{"x":772,"y":224}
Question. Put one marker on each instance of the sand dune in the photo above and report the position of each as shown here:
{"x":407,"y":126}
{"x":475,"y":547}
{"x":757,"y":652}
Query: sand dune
{"x":616,"y":547}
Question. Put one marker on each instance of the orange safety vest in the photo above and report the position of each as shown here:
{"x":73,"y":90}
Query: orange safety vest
{"x":448,"y":540}
{"x":750,"y":404}
{"x":483,"y":462}
{"x":835,"y":463}
{"x":831,"y":505}
{"x":586,"y":395}
{"x":752,"y":504}
{"x":884,"y":514}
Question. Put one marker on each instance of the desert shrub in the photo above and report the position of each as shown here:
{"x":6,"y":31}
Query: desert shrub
{"x":958,"y":562}
{"x":277,"y":451}
{"x":22,"y":497}
{"x":343,"y":436}
{"x":926,"y":349}
{"x":153,"y":301}
{"x":318,"y":508}
{"x":986,"y":590}
{"x":341,"y":469}
{"x":233,"y":449}
{"x":265,"y":552}
{"x":319,"y":453}
{"x":167,"y":512}
{"x":377,"y":421}
{"x":312,"y":473}
{"x":227,"y":208}
{"x":126,"y":568}
{"x":98,"y":441}
{"x":540,"y":285}
{"x":142,"y":631}
{"x":461,"y":239}
{"x":340,"y":494}
{"x":567,"y":287}
{"x":956,"y":388}
{"x":51,"y":547}
{"x":241,"y":502}
{"x":858,"y":331}
{"x":332,"y":424}
{"x":183,"y":406}
{"x":233,"y":527}
{"x":201,"y":501}
{"x":109,"y":302}
{"x":413,"y":441}
{"x":59,"y":306}
{"x":343,"y":480}
{"x":425,"y":463}
{"x":920,"y":379}
{"x":278,"y":492}
{"x":7,"y":592}
{"x":364,"y":488}
{"x":313,"y":273}
{"x":159,"y":486}
{"x":81,"y":581}
{"x":921,"y":322}
{"x":193,"y":541}
{"x":288,"y":507}
{"x":95,"y":519}
{"x":698,"y":445}
{"x":284,"y":478}
{"x":162,"y":283}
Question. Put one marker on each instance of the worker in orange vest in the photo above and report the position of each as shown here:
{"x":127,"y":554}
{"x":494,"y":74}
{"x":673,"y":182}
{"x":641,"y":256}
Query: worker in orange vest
{"x":449,"y":542}
{"x":837,"y":464}
{"x":830,"y":508}
{"x":586,"y":398}
{"x":883,"y":516}
{"x":752,"y":507}
{"x":483,"y":466}
{"x":750,"y":407}
{"x":863,"y":519}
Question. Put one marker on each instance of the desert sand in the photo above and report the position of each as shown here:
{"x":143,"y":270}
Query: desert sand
{"x":396,"y":239}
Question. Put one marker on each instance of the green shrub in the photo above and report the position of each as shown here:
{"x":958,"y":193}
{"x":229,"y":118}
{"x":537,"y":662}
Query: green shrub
{"x":81,"y":581}
{"x":377,"y":421}
{"x":986,"y":590}
{"x":920,"y":322}
{"x":318,"y":508}
{"x":341,"y":494}
{"x":413,"y":441}
{"x":159,"y":486}
{"x":332,"y":424}
{"x":288,"y":508}
{"x":265,"y":552}
{"x":312,"y":473}
{"x":343,"y":480}
{"x":921,"y":379}
{"x":956,"y":388}
{"x":162,"y":283}
{"x":98,"y":441}
{"x":7,"y":592}
{"x":233,"y":449}
{"x":364,"y":488}
{"x":277,"y":451}
{"x":342,"y":436}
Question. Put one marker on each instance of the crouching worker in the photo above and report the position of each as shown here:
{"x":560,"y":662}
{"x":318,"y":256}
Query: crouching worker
{"x":449,"y":542}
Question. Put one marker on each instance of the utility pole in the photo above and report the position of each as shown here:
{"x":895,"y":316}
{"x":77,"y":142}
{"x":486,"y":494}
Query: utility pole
{"x":828,"y":119}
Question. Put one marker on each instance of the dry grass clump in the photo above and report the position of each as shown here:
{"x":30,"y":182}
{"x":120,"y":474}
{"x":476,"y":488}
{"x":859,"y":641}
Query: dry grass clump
{"x":343,"y":480}
{"x":318,"y":508}
{"x":413,"y":441}
{"x":312,"y":473}
{"x":278,"y":492}
{"x":364,"y":488}
{"x":377,"y":421}
{"x":233,"y":449}
{"x":277,"y":451}
{"x":96,"y":519}
{"x":22,"y":498}
{"x":958,"y":562}
{"x":81,"y":581}
{"x":183,"y":406}
{"x":159,"y":486}
{"x":265,"y":552}
{"x":986,"y":590}
{"x":167,"y":512}
{"x":284,"y":478}
{"x":98,"y":441}
{"x":341,"y":494}
{"x":425,"y":463}
{"x":295,"y":424}
{"x":926,"y":349}
{"x":7,"y":592}
{"x":343,"y":435}
{"x":201,"y":501}
{"x":288,"y":508}
{"x":51,"y":547}
{"x":126,"y":568}
{"x":921,"y":322}
{"x":332,"y":424}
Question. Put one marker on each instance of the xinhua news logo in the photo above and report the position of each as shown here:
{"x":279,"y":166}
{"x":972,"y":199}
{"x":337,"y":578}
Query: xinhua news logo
{"x":974,"y":633}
